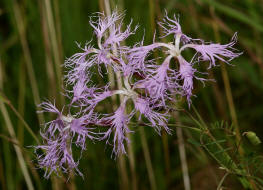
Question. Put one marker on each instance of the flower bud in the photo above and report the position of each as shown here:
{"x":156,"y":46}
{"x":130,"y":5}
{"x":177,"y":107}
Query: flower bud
{"x":253,"y":138}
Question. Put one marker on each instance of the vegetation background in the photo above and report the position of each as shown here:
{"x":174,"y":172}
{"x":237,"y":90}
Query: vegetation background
{"x":37,"y":35}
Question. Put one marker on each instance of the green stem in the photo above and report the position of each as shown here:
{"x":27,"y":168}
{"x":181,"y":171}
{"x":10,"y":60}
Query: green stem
{"x":17,"y":149}
{"x":5,"y":100}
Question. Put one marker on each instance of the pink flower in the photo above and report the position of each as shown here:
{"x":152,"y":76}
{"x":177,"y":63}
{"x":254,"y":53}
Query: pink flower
{"x":59,"y":135}
{"x":145,"y":82}
{"x":187,"y":74}
{"x":172,"y":26}
{"x":157,"y":120}
{"x":102,"y":23}
{"x":158,"y":81}
{"x":116,"y":35}
{"x":138,"y":54}
{"x":57,"y":157}
{"x":210,"y":52}
{"x":119,"y":126}
{"x":78,"y":64}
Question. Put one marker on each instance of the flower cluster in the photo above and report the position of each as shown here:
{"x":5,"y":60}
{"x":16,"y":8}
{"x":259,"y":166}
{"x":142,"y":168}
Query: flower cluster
{"x":145,"y":83}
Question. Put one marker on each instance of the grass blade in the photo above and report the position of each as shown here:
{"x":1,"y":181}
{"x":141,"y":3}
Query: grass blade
{"x":235,"y":14}
{"x":17,"y":149}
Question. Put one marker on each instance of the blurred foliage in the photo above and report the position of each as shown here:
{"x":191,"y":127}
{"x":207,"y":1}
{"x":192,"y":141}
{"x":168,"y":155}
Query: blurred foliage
{"x":37,"y":35}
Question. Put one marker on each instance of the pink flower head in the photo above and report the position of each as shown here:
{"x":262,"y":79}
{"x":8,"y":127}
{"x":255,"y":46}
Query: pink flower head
{"x":78,"y":64}
{"x":101,"y":22}
{"x":59,"y":135}
{"x":48,"y":107}
{"x":80,"y":89}
{"x":57,"y":157}
{"x":55,"y":126}
{"x":187,"y":74}
{"x":144,"y":81}
{"x":116,"y":35}
{"x":98,"y":95}
{"x":138,"y":54}
{"x":158,"y":81}
{"x":172,"y":26}
{"x":210,"y":52}
{"x":157,"y":120}
{"x":79,"y":129}
{"x":119,"y":126}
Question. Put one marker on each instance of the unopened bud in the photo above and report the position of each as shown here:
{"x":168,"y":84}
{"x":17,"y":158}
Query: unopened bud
{"x":253,"y":138}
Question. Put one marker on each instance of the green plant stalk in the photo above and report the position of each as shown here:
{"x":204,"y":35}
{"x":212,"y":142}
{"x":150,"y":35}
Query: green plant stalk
{"x":17,"y":149}
{"x":222,"y":181}
{"x":131,"y":158}
{"x":230,"y":99}
{"x":28,"y":160}
{"x":18,"y":143}
{"x":56,"y":184}
{"x":6,"y":150}
{"x":48,"y":55}
{"x":27,"y":56}
{"x":58,"y":27}
{"x":166,"y":157}
{"x":21,"y":102}
{"x":3,"y":99}
{"x":34,"y":172}
{"x":148,"y":161}
{"x":54,"y":45}
{"x":152,"y":15}
{"x":220,"y":103}
{"x":182,"y":154}
{"x":235,"y":14}
{"x":8,"y":167}
{"x":2,"y":178}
